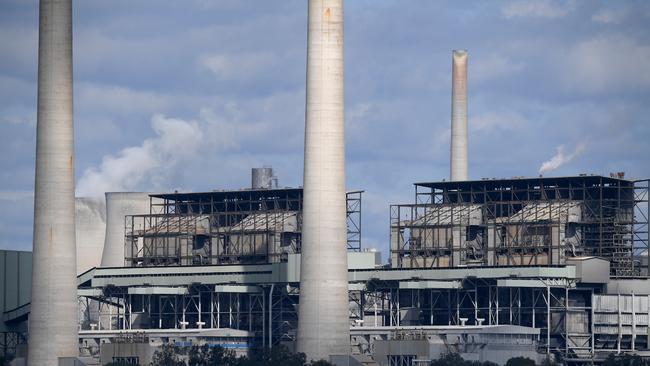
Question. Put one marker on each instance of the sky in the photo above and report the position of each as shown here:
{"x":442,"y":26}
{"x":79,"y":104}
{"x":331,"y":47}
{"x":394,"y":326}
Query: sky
{"x":190,"y":95}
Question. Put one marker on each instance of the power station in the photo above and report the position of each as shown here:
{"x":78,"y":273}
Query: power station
{"x":543,"y":267}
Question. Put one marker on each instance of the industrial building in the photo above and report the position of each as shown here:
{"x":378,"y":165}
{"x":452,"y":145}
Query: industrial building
{"x":546,"y":267}
{"x":491,"y":269}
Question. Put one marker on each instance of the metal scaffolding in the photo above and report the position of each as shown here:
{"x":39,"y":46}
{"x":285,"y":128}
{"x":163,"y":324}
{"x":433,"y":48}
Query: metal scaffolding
{"x":224,"y":227}
{"x":540,"y":221}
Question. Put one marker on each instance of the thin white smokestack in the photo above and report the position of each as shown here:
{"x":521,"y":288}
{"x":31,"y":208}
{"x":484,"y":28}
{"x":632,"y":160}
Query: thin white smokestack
{"x":459,"y":115}
{"x":323,"y":327}
{"x":53,"y":328}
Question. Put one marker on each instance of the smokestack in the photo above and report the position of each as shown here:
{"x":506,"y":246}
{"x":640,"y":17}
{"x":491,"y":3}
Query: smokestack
{"x":323,"y":327}
{"x":459,"y":115}
{"x":53,"y":319}
{"x":119,"y":205}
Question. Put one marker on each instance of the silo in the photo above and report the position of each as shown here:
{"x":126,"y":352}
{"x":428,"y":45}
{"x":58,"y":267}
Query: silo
{"x":53,"y":329}
{"x":90,"y":228}
{"x":119,"y":205}
{"x":323,"y":327}
{"x":262,"y":178}
{"x":459,"y":138}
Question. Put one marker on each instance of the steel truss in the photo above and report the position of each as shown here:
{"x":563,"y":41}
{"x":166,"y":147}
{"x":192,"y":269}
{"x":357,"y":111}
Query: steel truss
{"x":523,"y":222}
{"x":234,"y":227}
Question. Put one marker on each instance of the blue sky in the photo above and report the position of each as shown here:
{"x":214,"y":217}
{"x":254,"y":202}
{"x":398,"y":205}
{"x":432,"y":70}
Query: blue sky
{"x":190,"y":95}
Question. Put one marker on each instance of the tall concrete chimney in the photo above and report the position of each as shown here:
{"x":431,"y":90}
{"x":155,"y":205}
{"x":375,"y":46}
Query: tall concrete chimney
{"x":459,"y":115}
{"x":323,"y":327}
{"x":53,"y":320}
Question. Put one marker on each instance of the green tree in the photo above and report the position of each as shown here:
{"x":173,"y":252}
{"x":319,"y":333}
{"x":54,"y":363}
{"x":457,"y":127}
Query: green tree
{"x":450,"y":359}
{"x":211,"y":356}
{"x":454,"y":359}
{"x":321,"y":363}
{"x":520,"y":361}
{"x":167,"y":356}
{"x":626,"y":360}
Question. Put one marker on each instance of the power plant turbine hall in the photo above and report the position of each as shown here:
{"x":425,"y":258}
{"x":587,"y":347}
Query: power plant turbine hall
{"x":53,"y":328}
{"x":459,"y":115}
{"x":323,"y":327}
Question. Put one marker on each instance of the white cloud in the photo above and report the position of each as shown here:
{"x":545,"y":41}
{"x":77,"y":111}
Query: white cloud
{"x":562,"y":158}
{"x":176,"y":141}
{"x":12,"y":195}
{"x":537,"y":9}
{"x":237,"y":67}
{"x":608,"y":16}
{"x":115,"y":98}
{"x":494,"y":66}
{"x":607,"y":64}
{"x":490,"y":121}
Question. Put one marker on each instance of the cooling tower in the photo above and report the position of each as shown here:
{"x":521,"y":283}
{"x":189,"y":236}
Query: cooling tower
{"x":119,"y":205}
{"x":323,"y":327}
{"x":90,"y":228}
{"x":459,"y":116}
{"x":53,"y":318}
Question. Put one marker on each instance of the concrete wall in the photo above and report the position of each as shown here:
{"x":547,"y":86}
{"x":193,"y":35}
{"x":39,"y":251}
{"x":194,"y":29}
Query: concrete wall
{"x":15,"y":283}
{"x":110,"y":351}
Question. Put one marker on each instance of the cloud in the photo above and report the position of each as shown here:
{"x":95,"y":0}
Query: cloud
{"x":490,"y":121}
{"x":561,"y":158}
{"x":9,"y":195}
{"x":494,"y":66}
{"x":608,"y":16}
{"x":607,"y":64}
{"x":537,"y":9}
{"x":176,"y":141}
{"x":241,"y":67}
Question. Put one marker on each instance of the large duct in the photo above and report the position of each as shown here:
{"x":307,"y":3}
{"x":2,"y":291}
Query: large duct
{"x":119,"y":205}
{"x":459,"y":116}
{"x":90,"y":228}
{"x":323,"y":327}
{"x":53,"y":328}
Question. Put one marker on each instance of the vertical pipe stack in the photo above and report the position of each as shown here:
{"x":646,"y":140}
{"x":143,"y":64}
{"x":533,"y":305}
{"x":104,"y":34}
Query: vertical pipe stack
{"x":53,"y":318}
{"x":459,"y":116}
{"x":323,"y":327}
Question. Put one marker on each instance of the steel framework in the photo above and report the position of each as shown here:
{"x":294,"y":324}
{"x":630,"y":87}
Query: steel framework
{"x":510,"y":222}
{"x":224,"y":227}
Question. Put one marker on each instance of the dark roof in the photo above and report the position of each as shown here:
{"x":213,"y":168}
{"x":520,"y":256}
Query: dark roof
{"x":230,"y":194}
{"x":587,"y":180}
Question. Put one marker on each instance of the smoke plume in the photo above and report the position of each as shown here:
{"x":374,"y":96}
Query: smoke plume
{"x":561,"y":158}
{"x":176,"y":141}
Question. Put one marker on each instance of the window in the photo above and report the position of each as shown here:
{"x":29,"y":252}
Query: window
{"x":400,"y":360}
{"x":130,"y":360}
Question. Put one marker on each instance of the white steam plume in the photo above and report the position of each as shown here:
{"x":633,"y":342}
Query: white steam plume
{"x":176,"y":141}
{"x":561,"y":158}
